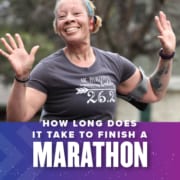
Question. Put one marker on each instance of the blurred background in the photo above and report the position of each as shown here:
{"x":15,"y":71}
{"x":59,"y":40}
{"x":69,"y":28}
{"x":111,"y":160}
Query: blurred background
{"x":128,"y":28}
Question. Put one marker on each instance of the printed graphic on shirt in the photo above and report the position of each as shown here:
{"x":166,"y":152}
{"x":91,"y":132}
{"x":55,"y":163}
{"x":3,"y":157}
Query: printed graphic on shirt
{"x":99,"y":89}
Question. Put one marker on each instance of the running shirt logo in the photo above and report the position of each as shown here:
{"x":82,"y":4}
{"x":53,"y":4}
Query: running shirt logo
{"x":99,"y":89}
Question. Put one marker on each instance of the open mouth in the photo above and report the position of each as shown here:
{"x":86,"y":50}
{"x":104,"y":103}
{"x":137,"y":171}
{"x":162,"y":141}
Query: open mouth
{"x":71,"y":29}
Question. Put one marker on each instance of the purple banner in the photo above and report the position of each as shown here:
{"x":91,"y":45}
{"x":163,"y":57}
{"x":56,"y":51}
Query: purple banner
{"x":109,"y":150}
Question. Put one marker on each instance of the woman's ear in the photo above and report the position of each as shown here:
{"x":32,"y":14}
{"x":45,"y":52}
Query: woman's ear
{"x":55,"y":26}
{"x":91,"y":24}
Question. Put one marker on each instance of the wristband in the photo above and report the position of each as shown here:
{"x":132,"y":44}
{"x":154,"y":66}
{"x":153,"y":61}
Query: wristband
{"x":166,"y":56}
{"x":21,"y":81}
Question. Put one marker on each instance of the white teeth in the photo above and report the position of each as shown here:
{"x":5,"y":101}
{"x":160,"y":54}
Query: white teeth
{"x":73,"y":29}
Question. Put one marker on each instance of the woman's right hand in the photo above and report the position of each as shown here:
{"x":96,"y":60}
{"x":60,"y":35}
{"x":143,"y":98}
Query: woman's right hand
{"x":20,"y":60}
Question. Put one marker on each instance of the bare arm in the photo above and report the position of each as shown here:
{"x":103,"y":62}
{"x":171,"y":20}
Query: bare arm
{"x":160,"y":78}
{"x":23,"y":102}
{"x":157,"y":83}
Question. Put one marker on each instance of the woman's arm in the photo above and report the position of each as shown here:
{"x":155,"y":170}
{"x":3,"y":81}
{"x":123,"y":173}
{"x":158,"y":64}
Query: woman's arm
{"x":156,"y":85}
{"x":23,"y":102}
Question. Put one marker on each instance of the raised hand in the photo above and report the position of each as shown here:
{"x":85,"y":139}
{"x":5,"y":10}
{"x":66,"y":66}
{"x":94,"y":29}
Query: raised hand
{"x":20,"y":60}
{"x":166,"y":35}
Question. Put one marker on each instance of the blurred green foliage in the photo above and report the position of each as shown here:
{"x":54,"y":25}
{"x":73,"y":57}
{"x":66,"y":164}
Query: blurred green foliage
{"x":32,"y":19}
{"x":46,"y":47}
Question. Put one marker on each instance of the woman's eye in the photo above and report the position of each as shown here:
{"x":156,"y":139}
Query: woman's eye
{"x":61,"y":17}
{"x":76,"y":13}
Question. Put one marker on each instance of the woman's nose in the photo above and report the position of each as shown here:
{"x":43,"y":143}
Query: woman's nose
{"x":70,"y":18}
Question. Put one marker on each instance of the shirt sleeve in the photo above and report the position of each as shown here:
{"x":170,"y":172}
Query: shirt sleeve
{"x":38,"y":78}
{"x":127,"y":68}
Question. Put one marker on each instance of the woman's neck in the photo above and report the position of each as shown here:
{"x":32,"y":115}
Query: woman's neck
{"x":81,"y":56}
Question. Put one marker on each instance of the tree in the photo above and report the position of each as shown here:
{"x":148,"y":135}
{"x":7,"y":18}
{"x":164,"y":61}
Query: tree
{"x":128,"y":26}
{"x":34,"y":15}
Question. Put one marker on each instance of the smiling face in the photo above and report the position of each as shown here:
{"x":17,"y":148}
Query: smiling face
{"x":72,"y":21}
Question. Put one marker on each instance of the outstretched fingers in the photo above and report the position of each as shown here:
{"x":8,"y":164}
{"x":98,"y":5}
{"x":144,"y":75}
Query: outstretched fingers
{"x":6,"y":45}
{"x":34,"y":50}
{"x":15,"y":52}
{"x":162,"y":23}
{"x":166,"y":34}
{"x":12,"y":41}
{"x":6,"y":55}
{"x":163,"y":20}
{"x":19,"y":41}
{"x":158,"y":24}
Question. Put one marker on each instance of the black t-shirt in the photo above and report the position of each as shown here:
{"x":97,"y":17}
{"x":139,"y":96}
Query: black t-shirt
{"x":76,"y":93}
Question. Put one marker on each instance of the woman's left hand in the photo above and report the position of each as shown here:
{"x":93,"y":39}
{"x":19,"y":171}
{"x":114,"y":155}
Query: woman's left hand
{"x":166,"y":34}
